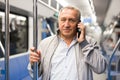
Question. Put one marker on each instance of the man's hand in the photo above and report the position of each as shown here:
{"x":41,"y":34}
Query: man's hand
{"x":34,"y":56}
{"x":82,"y":35}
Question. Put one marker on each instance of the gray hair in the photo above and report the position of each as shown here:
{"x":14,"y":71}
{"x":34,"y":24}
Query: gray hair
{"x":72,"y":8}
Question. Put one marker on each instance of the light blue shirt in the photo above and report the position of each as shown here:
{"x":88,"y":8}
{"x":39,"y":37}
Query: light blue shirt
{"x":64,"y":62}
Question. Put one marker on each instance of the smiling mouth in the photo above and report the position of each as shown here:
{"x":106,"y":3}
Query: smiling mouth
{"x":67,"y":30}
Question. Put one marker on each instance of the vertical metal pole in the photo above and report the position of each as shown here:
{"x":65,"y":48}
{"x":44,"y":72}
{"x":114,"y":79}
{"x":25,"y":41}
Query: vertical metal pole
{"x":35,"y":32}
{"x":111,"y":57}
{"x":7,"y":40}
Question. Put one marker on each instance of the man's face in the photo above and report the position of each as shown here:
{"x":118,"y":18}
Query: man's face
{"x":68,"y":20}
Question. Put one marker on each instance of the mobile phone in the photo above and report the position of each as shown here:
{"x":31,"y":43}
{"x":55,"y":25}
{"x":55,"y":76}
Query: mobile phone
{"x":79,"y":32}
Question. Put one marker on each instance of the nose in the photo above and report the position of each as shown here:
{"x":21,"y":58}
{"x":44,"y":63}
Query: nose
{"x":66,"y":23}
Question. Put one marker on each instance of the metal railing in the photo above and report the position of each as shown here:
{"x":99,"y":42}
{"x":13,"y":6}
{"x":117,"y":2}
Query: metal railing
{"x":35,"y":32}
{"x":111,"y":57}
{"x":2,"y":48}
{"x":7,"y":39}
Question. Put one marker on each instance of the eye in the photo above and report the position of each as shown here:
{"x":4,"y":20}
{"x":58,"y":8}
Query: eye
{"x":72,"y":20}
{"x":63,"y":19}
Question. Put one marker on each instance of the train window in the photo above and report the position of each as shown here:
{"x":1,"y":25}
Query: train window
{"x":46,"y":1}
{"x":60,"y":6}
{"x":54,"y":3}
{"x":18,"y":33}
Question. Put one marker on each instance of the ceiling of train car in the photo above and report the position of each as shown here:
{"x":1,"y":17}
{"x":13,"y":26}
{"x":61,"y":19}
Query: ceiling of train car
{"x":101,"y":8}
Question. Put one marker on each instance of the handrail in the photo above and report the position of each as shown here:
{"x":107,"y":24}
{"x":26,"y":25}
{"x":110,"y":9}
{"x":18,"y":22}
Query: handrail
{"x":7,"y":39}
{"x":111,"y":57}
{"x":48,"y":26}
{"x":35,"y":32}
{"x":2,"y":48}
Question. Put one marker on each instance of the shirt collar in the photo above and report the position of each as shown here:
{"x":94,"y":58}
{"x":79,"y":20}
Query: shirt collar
{"x":74,"y":41}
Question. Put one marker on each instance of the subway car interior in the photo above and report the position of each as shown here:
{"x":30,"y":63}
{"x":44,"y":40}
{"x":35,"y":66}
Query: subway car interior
{"x":20,"y":18}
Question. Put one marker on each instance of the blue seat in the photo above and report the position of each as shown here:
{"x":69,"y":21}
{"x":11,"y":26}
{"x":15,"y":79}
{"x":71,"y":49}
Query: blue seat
{"x":17,"y":68}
